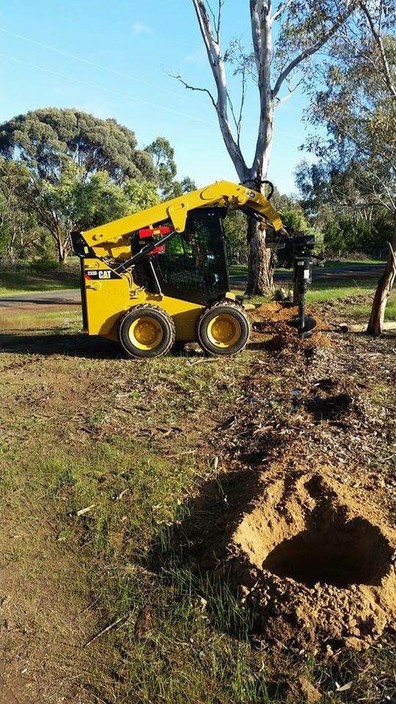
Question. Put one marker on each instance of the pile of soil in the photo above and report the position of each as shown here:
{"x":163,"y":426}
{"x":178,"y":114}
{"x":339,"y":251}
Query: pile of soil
{"x":269,"y":314}
{"x":278,"y":320}
{"x":291,"y":523}
{"x":315,"y":563}
{"x":311,"y":562}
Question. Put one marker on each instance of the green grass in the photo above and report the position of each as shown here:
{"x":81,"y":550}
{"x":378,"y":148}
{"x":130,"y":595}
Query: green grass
{"x":238,"y":270}
{"x":40,"y":319}
{"x":321,"y":291}
{"x":25,"y":278}
{"x":339,"y":263}
{"x":107,"y":445}
{"x":355,"y":301}
{"x":90,"y":429}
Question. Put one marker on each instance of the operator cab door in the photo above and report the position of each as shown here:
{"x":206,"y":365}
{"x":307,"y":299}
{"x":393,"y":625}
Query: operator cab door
{"x":192,"y":265}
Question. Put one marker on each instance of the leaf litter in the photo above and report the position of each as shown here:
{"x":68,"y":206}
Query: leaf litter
{"x":298,"y":525}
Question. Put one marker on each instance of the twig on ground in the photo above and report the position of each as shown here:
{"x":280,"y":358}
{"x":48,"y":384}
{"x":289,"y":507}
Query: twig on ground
{"x":205,"y":359}
{"x":112,"y":625}
{"x":186,"y":452}
{"x":85,"y":510}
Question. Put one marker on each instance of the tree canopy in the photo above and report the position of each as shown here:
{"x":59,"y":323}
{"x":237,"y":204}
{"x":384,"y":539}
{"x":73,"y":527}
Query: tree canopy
{"x":66,"y":170}
{"x":357,"y":107}
{"x":48,"y":138}
{"x":351,"y":188}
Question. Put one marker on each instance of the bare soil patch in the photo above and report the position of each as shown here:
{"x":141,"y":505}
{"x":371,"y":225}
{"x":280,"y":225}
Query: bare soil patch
{"x":315,"y":564}
{"x":300,"y":526}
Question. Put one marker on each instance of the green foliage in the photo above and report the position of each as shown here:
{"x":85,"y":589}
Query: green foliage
{"x":235,"y":225}
{"x":141,"y":194}
{"x":184,"y":186}
{"x":100,"y":199}
{"x":336,"y":207}
{"x":20,"y":233}
{"x":47,"y":139}
{"x":351,"y":188}
{"x":65,"y":169}
{"x":163,"y":155}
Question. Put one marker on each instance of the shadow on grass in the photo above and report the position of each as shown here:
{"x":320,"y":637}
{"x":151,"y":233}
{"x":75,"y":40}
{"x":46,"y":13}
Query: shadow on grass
{"x":78,"y":345}
{"x":52,"y":300}
{"x":75,"y":345}
{"x":190,"y":556}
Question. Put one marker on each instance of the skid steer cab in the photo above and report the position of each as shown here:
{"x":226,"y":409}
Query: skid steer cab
{"x":161,"y":275}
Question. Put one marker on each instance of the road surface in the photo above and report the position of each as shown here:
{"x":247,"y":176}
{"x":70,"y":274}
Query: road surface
{"x":60,"y":298}
{"x":330,"y":274}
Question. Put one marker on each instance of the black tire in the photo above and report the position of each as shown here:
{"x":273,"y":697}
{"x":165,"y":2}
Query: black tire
{"x":239,"y":329}
{"x":146,"y":316}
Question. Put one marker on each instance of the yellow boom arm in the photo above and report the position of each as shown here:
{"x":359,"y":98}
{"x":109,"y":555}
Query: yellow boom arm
{"x":112,"y":240}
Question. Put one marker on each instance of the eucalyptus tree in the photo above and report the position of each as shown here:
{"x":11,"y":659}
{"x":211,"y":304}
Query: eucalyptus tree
{"x":163,"y":156}
{"x":61,"y":149}
{"x":285,"y":39}
{"x":18,"y":225}
{"x":357,"y":106}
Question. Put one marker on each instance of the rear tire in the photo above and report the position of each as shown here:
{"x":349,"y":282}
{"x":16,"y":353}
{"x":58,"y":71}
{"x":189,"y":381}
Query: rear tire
{"x":223,"y":329}
{"x":146,"y":331}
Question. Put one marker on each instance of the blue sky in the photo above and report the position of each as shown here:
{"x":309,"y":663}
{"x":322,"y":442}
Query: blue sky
{"x":114,"y":59}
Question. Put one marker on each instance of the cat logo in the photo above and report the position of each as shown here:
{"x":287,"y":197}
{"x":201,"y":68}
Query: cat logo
{"x":105,"y":274}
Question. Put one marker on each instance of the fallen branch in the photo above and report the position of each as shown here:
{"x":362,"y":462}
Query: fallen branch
{"x":362,"y":327}
{"x":82,"y":511}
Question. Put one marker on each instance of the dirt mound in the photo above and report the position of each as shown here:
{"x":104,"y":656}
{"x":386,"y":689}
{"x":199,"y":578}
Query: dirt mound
{"x":314,"y":563}
{"x":269,"y":314}
{"x":274,"y":312}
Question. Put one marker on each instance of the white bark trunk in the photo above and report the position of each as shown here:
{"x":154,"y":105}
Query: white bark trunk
{"x":261,"y":27}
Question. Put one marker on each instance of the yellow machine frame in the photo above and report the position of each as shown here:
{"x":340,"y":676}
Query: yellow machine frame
{"x":107,"y":298}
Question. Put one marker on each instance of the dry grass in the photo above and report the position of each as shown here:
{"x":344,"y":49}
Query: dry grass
{"x":83,"y":427}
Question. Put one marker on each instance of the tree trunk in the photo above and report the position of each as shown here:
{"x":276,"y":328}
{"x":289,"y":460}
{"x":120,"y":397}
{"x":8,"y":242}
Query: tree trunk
{"x":11,"y":247}
{"x":385,"y":285}
{"x":63,"y":245}
{"x":260,"y":270}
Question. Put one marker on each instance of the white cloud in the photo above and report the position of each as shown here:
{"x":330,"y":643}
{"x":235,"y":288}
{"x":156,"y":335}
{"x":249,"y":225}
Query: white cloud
{"x":141,"y":28}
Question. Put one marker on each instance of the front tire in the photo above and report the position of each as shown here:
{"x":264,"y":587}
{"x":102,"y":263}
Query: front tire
{"x":223,"y":329}
{"x":146,"y":331}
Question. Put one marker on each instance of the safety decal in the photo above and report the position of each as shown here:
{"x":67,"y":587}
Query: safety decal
{"x":100,"y":274}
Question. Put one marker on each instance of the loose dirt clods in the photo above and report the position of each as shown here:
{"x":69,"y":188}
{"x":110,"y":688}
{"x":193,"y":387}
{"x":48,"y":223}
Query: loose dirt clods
{"x":310,"y":560}
{"x":307,"y":556}
{"x":315,"y":564}
{"x":279,"y":321}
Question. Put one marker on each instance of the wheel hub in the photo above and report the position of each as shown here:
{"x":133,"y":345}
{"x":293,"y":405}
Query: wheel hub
{"x":146,"y":333}
{"x":224,"y":330}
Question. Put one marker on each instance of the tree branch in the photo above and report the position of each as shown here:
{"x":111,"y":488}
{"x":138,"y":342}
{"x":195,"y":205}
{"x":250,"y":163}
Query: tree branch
{"x":265,"y":131}
{"x":380,"y":44}
{"x":291,"y":89}
{"x":201,"y":90}
{"x":256,"y":9}
{"x":281,"y":9}
{"x":309,"y":51}
{"x":216,"y":62}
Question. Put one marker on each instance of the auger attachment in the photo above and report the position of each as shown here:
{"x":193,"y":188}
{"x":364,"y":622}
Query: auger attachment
{"x":306,"y":324}
{"x":299,"y":249}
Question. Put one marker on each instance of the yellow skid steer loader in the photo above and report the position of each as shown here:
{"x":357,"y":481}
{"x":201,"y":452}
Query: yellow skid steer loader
{"x":162,"y":275}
